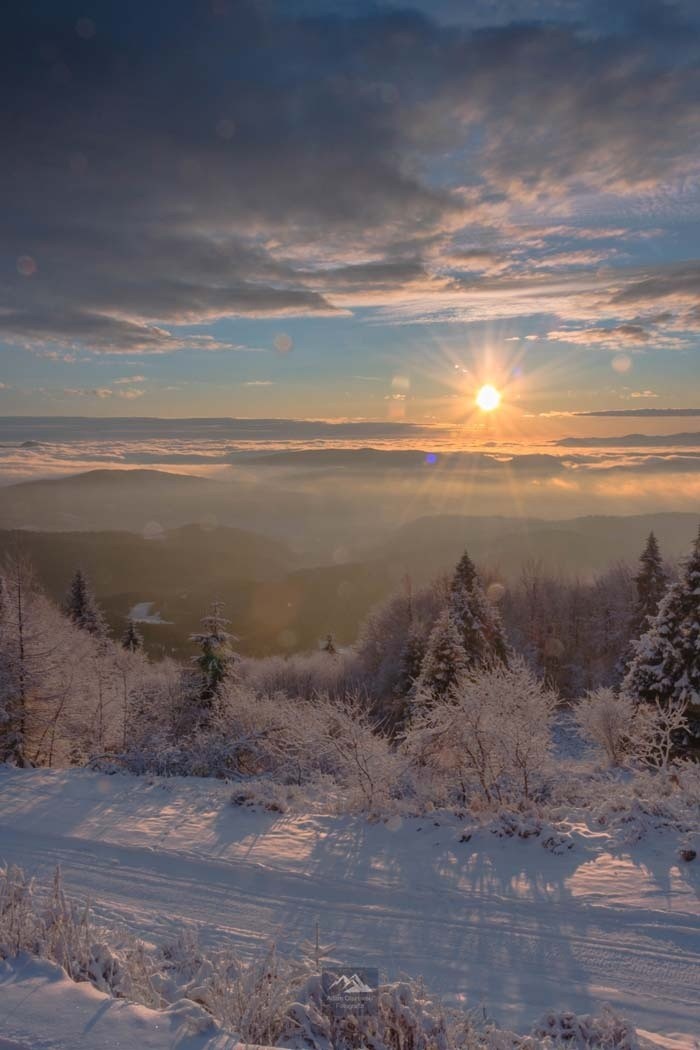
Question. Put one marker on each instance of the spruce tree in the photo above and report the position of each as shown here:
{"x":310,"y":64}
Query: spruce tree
{"x":132,"y":639}
{"x":445,"y":662}
{"x":216,"y":656}
{"x":651,"y":582}
{"x":666,"y":662}
{"x":465,"y":574}
{"x":476,"y":617}
{"x":81,"y":607}
{"x":410,"y":660}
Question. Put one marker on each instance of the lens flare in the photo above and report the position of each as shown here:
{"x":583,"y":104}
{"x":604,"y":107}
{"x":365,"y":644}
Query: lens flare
{"x":488,"y":398}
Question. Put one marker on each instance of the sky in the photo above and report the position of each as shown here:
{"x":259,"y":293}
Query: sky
{"x":354,"y":211}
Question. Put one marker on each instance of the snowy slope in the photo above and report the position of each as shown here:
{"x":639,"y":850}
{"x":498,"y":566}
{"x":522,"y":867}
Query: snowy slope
{"x":41,"y":1008}
{"x":501,"y":922}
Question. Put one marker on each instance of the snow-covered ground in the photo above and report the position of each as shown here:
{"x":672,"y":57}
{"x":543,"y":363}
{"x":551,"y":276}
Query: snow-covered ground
{"x":499,"y":922}
{"x":41,"y":1009}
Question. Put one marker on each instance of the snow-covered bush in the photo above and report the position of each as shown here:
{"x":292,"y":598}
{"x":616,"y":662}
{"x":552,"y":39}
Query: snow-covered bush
{"x":408,"y":1018}
{"x":361,"y":758}
{"x":405,"y":1018}
{"x":523,"y":825}
{"x":268,"y":794}
{"x":631,"y":804}
{"x":658,"y":729}
{"x":491,"y":735}
{"x":626,"y":730}
{"x":606,"y":720}
{"x":586,"y":1032}
{"x":302,"y":675}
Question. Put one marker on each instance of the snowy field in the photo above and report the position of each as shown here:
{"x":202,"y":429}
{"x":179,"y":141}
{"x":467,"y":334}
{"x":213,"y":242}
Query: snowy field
{"x":496,"y":922}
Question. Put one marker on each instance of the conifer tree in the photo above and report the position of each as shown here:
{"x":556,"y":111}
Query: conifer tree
{"x":132,"y":639}
{"x":665,"y":667}
{"x":651,"y":582}
{"x":476,"y":617}
{"x":411,"y":660}
{"x":465,"y":574}
{"x":445,"y":661}
{"x":216,"y":656}
{"x":81,"y":607}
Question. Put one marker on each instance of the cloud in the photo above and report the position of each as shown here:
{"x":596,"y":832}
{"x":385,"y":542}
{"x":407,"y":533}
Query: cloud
{"x":381,"y":157}
{"x":643,"y":393}
{"x":103,"y":393}
{"x":579,"y":257}
{"x":615,"y":336}
{"x":126,"y":380}
{"x":259,"y":382}
{"x":659,"y":413}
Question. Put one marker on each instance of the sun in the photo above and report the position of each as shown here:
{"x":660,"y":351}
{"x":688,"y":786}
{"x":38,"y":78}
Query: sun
{"x":488,"y":398}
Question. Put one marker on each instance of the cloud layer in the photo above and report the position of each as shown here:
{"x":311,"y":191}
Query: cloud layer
{"x":172,"y":167}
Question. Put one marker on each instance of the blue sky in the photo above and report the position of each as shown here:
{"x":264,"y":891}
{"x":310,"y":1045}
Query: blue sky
{"x":351,"y":210}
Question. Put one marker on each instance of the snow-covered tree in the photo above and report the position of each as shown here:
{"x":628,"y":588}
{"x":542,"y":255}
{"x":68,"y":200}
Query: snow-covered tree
{"x":132,"y":639}
{"x":467,"y":633}
{"x":491,"y":733}
{"x":445,"y":661}
{"x":651,"y":582}
{"x":665,"y":667}
{"x":81,"y":606}
{"x":41,"y":655}
{"x":384,"y":633}
{"x":215,"y":660}
{"x":411,"y":660}
{"x":475,"y":616}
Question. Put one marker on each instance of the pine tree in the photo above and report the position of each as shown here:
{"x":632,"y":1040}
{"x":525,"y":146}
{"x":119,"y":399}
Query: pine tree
{"x":666,"y":662}
{"x":132,"y":639}
{"x":651,"y":582}
{"x":445,"y":661}
{"x":216,"y":656}
{"x":81,"y":607}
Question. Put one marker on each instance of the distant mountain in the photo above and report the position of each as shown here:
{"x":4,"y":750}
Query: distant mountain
{"x":113,"y":477}
{"x":276,"y":607}
{"x":370,"y":459}
{"x":138,"y":499}
{"x":691,"y":440}
{"x":585,"y":545}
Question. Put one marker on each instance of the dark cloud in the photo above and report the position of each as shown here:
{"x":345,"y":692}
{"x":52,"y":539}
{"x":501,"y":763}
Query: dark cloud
{"x":615,"y":335}
{"x":174,"y":164}
{"x":632,"y":441}
{"x":681,"y":282}
{"x":643,"y":412}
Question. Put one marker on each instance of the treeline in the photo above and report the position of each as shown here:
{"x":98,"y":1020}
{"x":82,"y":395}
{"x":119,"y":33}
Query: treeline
{"x":71,"y":693}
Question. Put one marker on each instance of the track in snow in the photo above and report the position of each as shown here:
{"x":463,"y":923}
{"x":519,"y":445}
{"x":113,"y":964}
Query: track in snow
{"x":516,"y":955}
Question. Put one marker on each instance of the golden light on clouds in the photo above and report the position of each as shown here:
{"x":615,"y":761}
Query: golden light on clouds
{"x":488,"y":398}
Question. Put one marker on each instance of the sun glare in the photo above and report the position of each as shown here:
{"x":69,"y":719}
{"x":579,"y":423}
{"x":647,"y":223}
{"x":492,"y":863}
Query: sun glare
{"x":488,"y":398}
